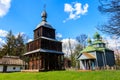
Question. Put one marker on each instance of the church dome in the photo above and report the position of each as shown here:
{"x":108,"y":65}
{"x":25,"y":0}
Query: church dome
{"x":44,"y":21}
{"x":45,"y":24}
{"x":97,"y":36}
{"x":89,"y":41}
{"x":44,"y":15}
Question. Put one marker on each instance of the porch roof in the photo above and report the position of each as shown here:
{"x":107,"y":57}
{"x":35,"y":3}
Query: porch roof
{"x":86,"y":56}
{"x":44,"y":51}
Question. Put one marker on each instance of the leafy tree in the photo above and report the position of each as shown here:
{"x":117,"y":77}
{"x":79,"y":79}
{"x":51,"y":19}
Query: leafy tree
{"x":112,"y":9}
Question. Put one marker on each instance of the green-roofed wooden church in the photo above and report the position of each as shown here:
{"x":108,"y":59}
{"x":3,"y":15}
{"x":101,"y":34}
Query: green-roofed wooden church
{"x":96,"y":55}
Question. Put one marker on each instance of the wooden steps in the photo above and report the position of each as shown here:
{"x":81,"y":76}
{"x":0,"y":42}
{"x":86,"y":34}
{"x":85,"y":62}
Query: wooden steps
{"x":32,"y":70}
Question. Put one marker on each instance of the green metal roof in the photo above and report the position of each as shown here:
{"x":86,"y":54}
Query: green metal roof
{"x":88,"y":49}
{"x":98,"y":41}
{"x":96,"y":35}
{"x":92,"y":47}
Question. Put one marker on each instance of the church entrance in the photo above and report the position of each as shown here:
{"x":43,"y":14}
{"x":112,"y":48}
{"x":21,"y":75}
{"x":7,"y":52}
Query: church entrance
{"x":52,"y":61}
{"x":88,"y":64}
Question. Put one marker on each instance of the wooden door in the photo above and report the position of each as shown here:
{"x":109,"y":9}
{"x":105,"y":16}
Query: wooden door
{"x":4,"y":68}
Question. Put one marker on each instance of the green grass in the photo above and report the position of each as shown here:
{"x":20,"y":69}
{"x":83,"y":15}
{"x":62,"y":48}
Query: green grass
{"x":62,"y":75}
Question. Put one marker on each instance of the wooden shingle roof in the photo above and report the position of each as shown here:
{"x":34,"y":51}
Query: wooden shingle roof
{"x":11,"y":60}
{"x":89,"y":56}
{"x":86,"y":56}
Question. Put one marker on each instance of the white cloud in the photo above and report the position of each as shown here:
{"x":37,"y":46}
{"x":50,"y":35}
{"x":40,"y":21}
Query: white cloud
{"x":112,"y":43}
{"x":1,"y":42}
{"x":58,"y":35}
{"x":68,"y":8}
{"x":66,"y":47}
{"x":4,"y":7}
{"x":75,"y":10}
{"x":3,"y":33}
{"x":29,"y":40}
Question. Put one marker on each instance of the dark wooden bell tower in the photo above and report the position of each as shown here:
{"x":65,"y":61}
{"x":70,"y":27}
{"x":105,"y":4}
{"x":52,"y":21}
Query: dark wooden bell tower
{"x":45,"y":52}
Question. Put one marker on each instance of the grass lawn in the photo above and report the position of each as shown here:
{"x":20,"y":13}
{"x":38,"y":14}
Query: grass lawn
{"x":62,"y":75}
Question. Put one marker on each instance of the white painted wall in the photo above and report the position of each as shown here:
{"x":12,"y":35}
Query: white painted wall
{"x":82,"y":66}
{"x":1,"y":68}
{"x":11,"y":68}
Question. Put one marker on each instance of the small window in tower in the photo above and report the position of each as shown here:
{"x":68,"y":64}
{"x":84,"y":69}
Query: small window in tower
{"x":38,"y":33}
{"x":97,"y":45}
{"x":101,"y":45}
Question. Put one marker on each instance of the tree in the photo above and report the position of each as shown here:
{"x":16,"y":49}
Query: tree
{"x":116,"y":50}
{"x":77,"y":50}
{"x":111,"y":8}
{"x":9,"y":46}
{"x":82,"y":40}
{"x":14,"y":45}
{"x":68,"y":48}
{"x":112,"y":27}
{"x":19,"y":45}
{"x":72,"y":47}
{"x":82,"y":44}
{"x":72,"y":57}
{"x":1,"y":52}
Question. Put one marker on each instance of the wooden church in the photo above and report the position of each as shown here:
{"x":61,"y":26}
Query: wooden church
{"x":44,"y":52}
{"x":96,"y":55}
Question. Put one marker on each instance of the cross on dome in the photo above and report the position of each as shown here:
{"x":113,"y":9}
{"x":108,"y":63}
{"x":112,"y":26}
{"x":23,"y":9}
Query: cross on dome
{"x":44,"y":14}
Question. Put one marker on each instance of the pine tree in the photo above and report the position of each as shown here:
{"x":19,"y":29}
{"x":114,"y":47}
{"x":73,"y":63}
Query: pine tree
{"x":19,"y":44}
{"x":9,"y":46}
{"x":14,"y":45}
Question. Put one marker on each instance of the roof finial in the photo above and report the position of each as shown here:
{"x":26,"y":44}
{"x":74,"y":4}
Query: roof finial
{"x":89,"y":41}
{"x":44,"y":7}
{"x":44,"y":14}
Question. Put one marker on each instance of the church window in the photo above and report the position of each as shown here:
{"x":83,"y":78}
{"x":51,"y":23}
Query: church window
{"x":97,"y":45}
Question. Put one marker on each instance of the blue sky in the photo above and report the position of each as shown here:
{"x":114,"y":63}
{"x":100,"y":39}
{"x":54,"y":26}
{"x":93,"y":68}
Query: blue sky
{"x":25,"y":15}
